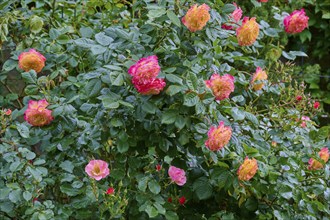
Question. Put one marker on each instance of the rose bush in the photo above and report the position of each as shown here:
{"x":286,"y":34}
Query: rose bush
{"x":138,"y":113}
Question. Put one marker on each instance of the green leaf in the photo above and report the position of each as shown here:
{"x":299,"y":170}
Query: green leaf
{"x":149,"y":107}
{"x":23,"y":130}
{"x":154,"y":187}
{"x":67,"y":166}
{"x":27,"y":196}
{"x":98,"y":49}
{"x":156,"y":13}
{"x":9,"y":65}
{"x":202,"y":188}
{"x":93,"y":87}
{"x":35,"y":173}
{"x":171,"y":216}
{"x":228,"y":8}
{"x":143,"y":183}
{"x":30,"y":77}
{"x":251,"y":204}
{"x":192,"y":81}
{"x":173,"y":78}
{"x":190,"y":99}
{"x":174,"y":89}
{"x":237,"y":114}
{"x":103,"y":39}
{"x":67,"y":189}
{"x":110,"y":103}
{"x":169,"y":116}
{"x":15,"y":195}
{"x":174,"y":18}
{"x":251,"y":117}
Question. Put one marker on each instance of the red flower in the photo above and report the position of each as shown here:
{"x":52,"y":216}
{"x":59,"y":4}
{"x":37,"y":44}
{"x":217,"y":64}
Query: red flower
{"x":34,"y":200}
{"x":169,"y":199}
{"x":316,"y":105}
{"x":158,"y":167}
{"x":8,"y":112}
{"x":110,"y":191}
{"x":299,"y":98}
{"x":182,"y":200}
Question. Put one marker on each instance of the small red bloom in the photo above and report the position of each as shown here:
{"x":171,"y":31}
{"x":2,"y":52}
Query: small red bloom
{"x":34,"y":199}
{"x":8,"y":112}
{"x":110,"y":191}
{"x":158,"y":167}
{"x":316,"y":105}
{"x":299,"y":98}
{"x":169,"y":199}
{"x":182,"y":200}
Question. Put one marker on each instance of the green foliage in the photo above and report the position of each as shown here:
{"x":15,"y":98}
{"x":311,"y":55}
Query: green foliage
{"x":89,"y":46}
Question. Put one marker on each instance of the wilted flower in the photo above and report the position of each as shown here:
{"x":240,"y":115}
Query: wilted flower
{"x":316,"y":165}
{"x":248,"y":32}
{"x":177,"y":175}
{"x":152,"y":87}
{"x":145,"y":70}
{"x":296,"y":22}
{"x":237,"y":13}
{"x":258,"y":75}
{"x":97,"y":169}
{"x":316,"y":105}
{"x":221,"y":86}
{"x":36,"y":114}
{"x":248,"y":169}
{"x":218,"y":137}
{"x":182,"y":200}
{"x":31,"y":60}
{"x":110,"y":191}
{"x":196,"y":17}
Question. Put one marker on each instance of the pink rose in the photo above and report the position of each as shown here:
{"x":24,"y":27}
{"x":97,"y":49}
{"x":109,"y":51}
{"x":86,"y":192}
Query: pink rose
{"x":145,"y":70}
{"x":177,"y":175}
{"x":296,"y":22}
{"x":152,"y":87}
{"x":237,"y":13}
{"x":218,"y":137}
{"x":97,"y":169}
{"x":36,"y":114}
{"x":221,"y":86}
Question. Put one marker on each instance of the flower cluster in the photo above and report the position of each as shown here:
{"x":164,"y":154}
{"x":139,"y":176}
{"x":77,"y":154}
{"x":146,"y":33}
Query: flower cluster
{"x":31,"y":60}
{"x":218,"y":137}
{"x":144,"y":76}
{"x":196,"y":17}
{"x":36,"y":113}
{"x":221,"y":86}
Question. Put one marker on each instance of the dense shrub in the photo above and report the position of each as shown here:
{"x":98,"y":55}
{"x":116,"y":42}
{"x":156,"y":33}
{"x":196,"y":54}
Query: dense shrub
{"x":190,"y":124}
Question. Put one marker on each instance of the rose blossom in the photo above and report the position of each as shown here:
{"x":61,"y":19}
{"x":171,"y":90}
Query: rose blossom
{"x":110,"y":191}
{"x":97,"y":169}
{"x":316,"y":165}
{"x":31,"y":60}
{"x":196,"y":17}
{"x":153,"y":87}
{"x":218,"y":137}
{"x":296,"y":22}
{"x":177,"y":175}
{"x":221,"y":86}
{"x":145,"y":70}
{"x":237,"y":13}
{"x":182,"y":200}
{"x":248,"y":32}
{"x":248,"y":169}
{"x":316,"y":105}
{"x":36,"y":114}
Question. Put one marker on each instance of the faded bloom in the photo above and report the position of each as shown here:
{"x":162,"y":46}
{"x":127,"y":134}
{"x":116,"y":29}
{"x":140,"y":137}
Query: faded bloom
{"x":177,"y":175}
{"x":218,"y":137}
{"x":36,"y":113}
{"x":97,"y":169}
{"x":196,"y":17}
{"x":237,"y":13}
{"x":145,"y":70}
{"x":259,"y":75}
{"x":296,"y":22}
{"x":182,"y":200}
{"x":153,"y":87}
{"x":316,"y":105}
{"x":221,"y":86}
{"x":31,"y":60}
{"x":247,"y":33}
{"x":110,"y":191}
{"x":316,"y":165}
{"x":248,"y":169}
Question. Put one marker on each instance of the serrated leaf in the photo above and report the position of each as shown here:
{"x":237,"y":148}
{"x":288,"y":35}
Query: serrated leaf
{"x":202,"y":188}
{"x":30,"y":77}
{"x":154,"y":187}
{"x":67,"y":166}
{"x":190,"y":99}
{"x":169,"y":117}
{"x":174,"y":18}
{"x":103,"y":39}
{"x":93,"y":87}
